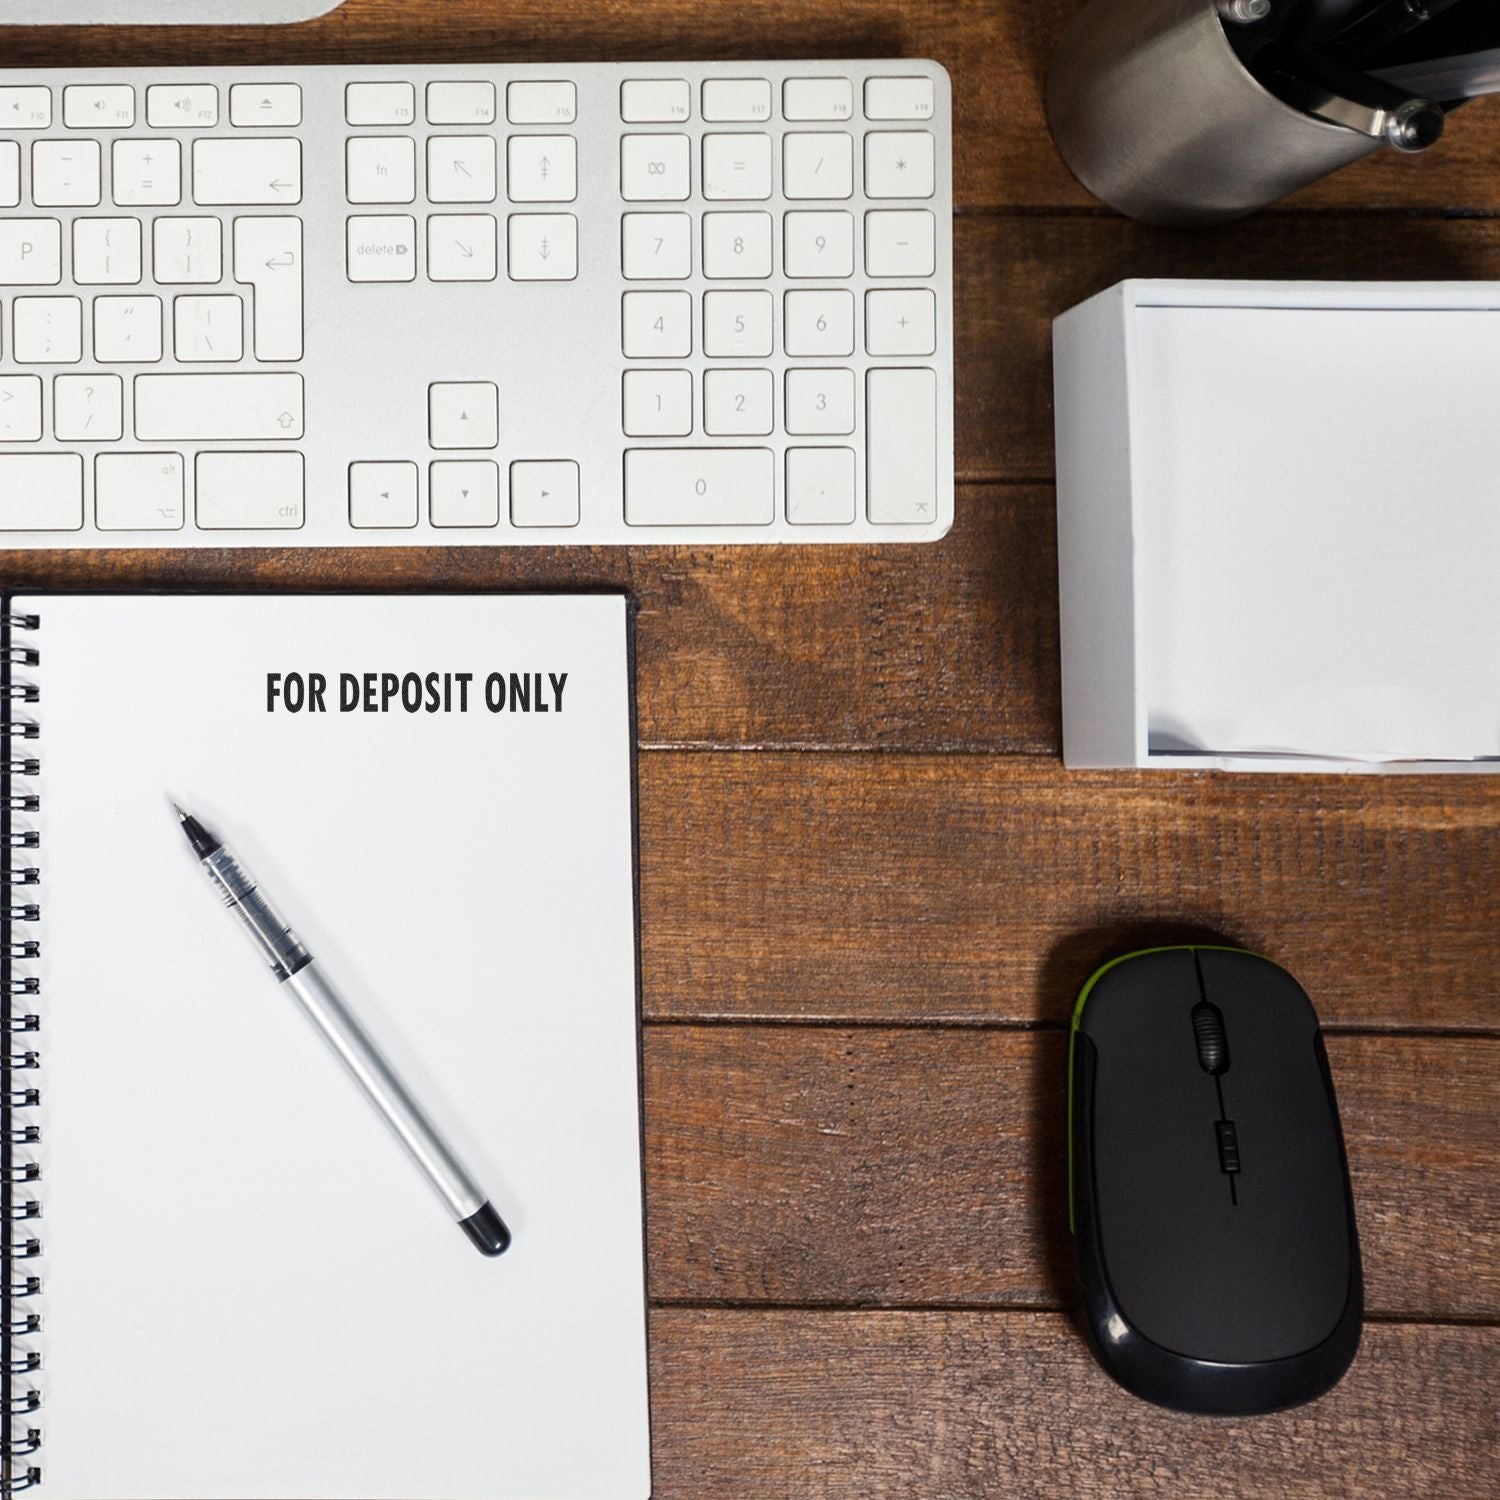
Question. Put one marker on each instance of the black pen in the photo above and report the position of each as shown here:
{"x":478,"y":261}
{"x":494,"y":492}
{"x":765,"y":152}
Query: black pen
{"x":295,"y":970}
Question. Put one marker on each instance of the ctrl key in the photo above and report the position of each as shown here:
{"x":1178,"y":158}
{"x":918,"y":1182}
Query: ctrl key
{"x":249,"y":491}
{"x":41,"y":492}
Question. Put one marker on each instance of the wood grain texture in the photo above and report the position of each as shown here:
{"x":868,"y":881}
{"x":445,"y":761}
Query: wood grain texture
{"x":951,"y":888}
{"x":996,"y":50}
{"x":962,"y":1405}
{"x":877,"y":1167}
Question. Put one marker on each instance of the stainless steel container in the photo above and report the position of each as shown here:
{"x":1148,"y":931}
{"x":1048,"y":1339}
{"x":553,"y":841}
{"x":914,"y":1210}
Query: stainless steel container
{"x":1155,"y":114}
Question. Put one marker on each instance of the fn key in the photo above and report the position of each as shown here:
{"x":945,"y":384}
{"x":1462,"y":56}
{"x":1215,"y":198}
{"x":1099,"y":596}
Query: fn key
{"x":901,"y":420}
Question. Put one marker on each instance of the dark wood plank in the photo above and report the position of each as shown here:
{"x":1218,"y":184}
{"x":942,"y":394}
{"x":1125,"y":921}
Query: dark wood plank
{"x":957,"y":1405}
{"x":883,"y":1168}
{"x":960,"y":889}
{"x":997,"y":52}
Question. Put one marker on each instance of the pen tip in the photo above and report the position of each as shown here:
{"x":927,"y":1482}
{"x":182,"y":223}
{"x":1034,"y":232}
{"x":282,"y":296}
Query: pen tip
{"x":181,"y":816}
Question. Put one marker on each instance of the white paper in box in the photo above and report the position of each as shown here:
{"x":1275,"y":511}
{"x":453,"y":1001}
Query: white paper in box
{"x":1279,"y":526}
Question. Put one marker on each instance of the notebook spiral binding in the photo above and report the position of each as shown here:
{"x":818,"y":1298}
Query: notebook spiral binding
{"x":20,"y":1395}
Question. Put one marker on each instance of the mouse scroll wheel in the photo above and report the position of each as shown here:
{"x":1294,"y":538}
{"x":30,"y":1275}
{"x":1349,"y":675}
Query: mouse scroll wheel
{"x":1213,"y":1046}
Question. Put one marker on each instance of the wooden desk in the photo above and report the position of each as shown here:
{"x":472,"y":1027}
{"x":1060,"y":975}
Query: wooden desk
{"x":870,"y":892}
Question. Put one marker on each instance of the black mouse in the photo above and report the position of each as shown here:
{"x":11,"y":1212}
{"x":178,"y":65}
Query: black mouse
{"x":1209,"y":1192}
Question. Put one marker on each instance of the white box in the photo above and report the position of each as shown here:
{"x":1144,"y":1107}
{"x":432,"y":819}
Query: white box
{"x":1279,"y":526}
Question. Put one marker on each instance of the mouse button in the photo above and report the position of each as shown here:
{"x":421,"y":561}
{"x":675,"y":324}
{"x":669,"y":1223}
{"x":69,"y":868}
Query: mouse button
{"x":1254,"y":993}
{"x":1134,"y":1002}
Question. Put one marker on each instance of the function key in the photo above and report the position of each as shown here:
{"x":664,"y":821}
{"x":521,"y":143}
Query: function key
{"x":380,"y":104}
{"x":648,"y":101}
{"x":541,"y":103}
{"x":174,"y":107}
{"x":25,"y":109}
{"x":460,"y":104}
{"x":108,"y":107}
{"x":252,"y":104}
{"x":817,"y":99}
{"x":736,"y":99}
{"x":898,"y":99}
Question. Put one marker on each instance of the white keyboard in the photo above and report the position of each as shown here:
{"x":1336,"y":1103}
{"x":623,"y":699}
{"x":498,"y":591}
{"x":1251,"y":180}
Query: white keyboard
{"x":603,"y":303}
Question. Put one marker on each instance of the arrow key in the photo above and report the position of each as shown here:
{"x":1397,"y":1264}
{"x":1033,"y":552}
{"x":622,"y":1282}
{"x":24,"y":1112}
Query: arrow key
{"x":461,"y":247}
{"x":544,"y":493}
{"x":464,"y":492}
{"x":463,"y":414}
{"x":383,"y":495}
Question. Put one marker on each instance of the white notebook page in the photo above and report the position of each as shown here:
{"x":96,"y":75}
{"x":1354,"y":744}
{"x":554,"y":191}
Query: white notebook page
{"x":249,"y":1291}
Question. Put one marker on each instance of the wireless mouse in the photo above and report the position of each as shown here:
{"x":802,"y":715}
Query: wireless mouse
{"x":1209,"y":1192}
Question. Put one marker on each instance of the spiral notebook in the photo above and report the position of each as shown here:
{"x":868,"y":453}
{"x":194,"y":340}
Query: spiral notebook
{"x":223,"y":1280}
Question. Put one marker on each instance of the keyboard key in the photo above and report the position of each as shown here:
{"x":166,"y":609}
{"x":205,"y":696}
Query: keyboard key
{"x":533,"y":102}
{"x":461,"y":169}
{"x":820,"y":487}
{"x":737,"y":325}
{"x":217,"y":408}
{"x":48,"y":330}
{"x":657,"y":325}
{"x":900,"y":242}
{"x":464,"y":492}
{"x":106,"y":252}
{"x":819,"y":243}
{"x":10,"y":174}
{"x":268,"y":257}
{"x":700,"y":487}
{"x":182,"y":106}
{"x":820,"y":402}
{"x":542,"y":247}
{"x":41,"y":492}
{"x":383,"y":496}
{"x":817,"y":99}
{"x":655,"y":168}
{"x":380,"y":104}
{"x":818,"y":164}
{"x":901,"y":446}
{"x":903,"y":322}
{"x":462,"y":247}
{"x":139,"y":491}
{"x":899,"y":164}
{"x":658,"y":403}
{"x":147,"y":174}
{"x":380,"y":169}
{"x":265,"y":104}
{"x":460,"y":104}
{"x":738,"y":403}
{"x":646,"y":101}
{"x":65,"y":174}
{"x":656,"y":247}
{"x":30,"y":252}
{"x":185,"y":251}
{"x":820,"y":323}
{"x":26,"y":108}
{"x":88,"y":408}
{"x":543,"y":492}
{"x":899,"y":99}
{"x":736,"y":99}
{"x":262,"y":169}
{"x":208,"y":330}
{"x":736,"y":166}
{"x":108,"y":107}
{"x":20,"y":408}
{"x":249,"y":491}
{"x":127,"y":330}
{"x":541,"y":169}
{"x":463,"y":414}
{"x":382,"y":247}
{"x":737,"y":247}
